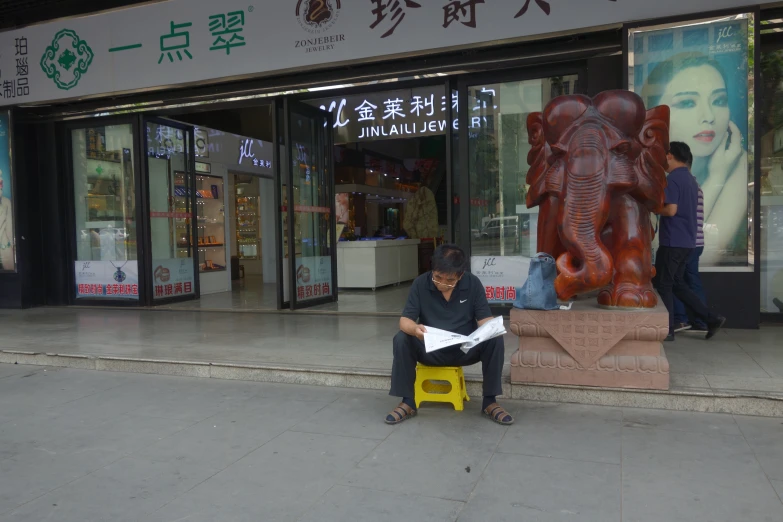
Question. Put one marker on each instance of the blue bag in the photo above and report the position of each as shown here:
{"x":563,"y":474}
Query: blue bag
{"x":538,"y":292}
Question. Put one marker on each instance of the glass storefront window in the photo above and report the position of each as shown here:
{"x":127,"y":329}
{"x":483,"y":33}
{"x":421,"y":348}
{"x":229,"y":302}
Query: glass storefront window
{"x":171,"y":190}
{"x":104,"y":189}
{"x":772,"y":183}
{"x":211,"y":212}
{"x":312,"y":200}
{"x":503,"y":229}
{"x":7,"y":241}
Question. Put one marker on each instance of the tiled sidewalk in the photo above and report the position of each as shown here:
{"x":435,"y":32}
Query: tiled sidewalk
{"x":743,"y":361}
{"x":79,"y":446}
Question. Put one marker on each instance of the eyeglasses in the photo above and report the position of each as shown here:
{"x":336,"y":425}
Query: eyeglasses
{"x":449,"y":284}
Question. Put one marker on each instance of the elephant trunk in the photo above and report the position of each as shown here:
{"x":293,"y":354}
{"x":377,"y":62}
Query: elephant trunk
{"x":587,"y":264}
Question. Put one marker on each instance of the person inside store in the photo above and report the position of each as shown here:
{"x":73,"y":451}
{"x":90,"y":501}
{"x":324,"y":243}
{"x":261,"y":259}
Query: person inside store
{"x":678,"y":240}
{"x":691,"y":275}
{"x":449,"y":298}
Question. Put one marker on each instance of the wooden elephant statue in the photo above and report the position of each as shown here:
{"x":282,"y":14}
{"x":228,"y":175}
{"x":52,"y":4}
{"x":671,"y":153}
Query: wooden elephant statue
{"x":597,"y":171}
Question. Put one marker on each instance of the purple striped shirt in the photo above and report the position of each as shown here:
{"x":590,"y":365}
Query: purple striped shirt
{"x":699,"y":218}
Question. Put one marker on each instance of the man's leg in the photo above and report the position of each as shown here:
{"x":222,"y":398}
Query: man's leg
{"x":406,"y":355}
{"x":667,"y":262}
{"x":699,"y":309}
{"x":408,"y":351}
{"x":692,"y":301}
{"x":681,"y":321}
{"x":693,"y":280}
{"x":492,"y":356}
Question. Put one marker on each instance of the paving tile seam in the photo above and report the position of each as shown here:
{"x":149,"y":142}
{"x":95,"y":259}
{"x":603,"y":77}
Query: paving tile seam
{"x":12,"y":510}
{"x":669,"y":430}
{"x":195,"y":486}
{"x":495,"y":451}
{"x":756,"y":458}
{"x":755,"y":361}
{"x":378,"y":439}
{"x":551,"y":457}
{"x":622,"y":466}
{"x":219,"y":471}
{"x":357,"y":486}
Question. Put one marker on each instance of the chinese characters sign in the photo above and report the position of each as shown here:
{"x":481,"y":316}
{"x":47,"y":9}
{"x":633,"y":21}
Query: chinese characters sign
{"x":172,"y":278}
{"x":390,"y":114}
{"x":107,"y":280}
{"x":501,"y":276}
{"x":313,"y":278}
{"x":174,"y":42}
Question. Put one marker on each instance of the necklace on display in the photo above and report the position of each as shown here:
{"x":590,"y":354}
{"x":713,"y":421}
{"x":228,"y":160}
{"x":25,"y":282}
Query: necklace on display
{"x":119,"y":275}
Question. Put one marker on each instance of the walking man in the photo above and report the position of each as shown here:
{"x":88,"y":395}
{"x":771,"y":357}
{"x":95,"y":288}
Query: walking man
{"x":678,"y":240}
{"x":449,"y":298}
{"x":692,"y":278}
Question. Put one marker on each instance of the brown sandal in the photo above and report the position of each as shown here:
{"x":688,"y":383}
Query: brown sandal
{"x":401,"y":413}
{"x":497,"y":414}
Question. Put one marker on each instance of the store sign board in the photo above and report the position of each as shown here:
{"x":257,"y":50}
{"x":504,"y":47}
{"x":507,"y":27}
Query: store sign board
{"x":107,"y":280}
{"x":203,"y":168}
{"x":178,"y":42}
{"x":387,"y":115}
{"x":501,"y":276}
{"x":248,"y":147}
{"x":173,"y":278}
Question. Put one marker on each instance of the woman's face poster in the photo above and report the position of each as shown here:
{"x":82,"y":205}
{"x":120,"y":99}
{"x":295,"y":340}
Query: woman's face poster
{"x":700,"y":70}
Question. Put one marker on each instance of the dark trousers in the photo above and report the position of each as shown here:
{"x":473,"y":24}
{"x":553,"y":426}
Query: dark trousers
{"x":693,"y":280}
{"x":409,"y":350}
{"x":670,"y":268}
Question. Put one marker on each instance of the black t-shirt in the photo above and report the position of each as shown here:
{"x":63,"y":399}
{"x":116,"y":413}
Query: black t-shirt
{"x":467,"y":306}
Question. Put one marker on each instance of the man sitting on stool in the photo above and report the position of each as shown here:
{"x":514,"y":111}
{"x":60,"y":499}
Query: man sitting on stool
{"x":452,"y":299}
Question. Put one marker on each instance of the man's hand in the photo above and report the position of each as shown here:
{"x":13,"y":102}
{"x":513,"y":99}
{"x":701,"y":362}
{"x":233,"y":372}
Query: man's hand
{"x":669,"y":210}
{"x":420,"y":331}
{"x":412,"y":328}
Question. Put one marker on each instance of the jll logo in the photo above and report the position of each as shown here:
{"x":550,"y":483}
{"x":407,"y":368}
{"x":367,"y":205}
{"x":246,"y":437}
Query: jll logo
{"x":490,"y":261}
{"x":725,"y":32}
{"x":245,"y":150}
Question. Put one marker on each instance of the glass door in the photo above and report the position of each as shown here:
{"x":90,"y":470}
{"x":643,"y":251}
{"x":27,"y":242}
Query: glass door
{"x":105,"y":220}
{"x":307,"y":218}
{"x":496,"y":223}
{"x":171,"y":206}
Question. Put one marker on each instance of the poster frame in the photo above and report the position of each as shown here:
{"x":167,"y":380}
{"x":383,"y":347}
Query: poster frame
{"x":754,"y":89}
{"x":12,"y":182}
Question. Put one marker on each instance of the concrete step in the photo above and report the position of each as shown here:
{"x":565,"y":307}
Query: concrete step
{"x":765,"y":404}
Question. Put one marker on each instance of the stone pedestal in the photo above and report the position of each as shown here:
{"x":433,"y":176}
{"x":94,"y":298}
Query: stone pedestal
{"x":591,"y":346}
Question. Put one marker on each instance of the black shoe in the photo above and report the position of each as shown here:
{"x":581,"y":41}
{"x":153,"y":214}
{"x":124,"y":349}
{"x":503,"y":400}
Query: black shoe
{"x":714,"y":326}
{"x":681,"y":327}
{"x":669,"y":338}
{"x":701,"y":328}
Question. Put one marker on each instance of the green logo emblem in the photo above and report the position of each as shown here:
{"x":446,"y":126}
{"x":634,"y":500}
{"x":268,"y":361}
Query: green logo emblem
{"x":67,"y":59}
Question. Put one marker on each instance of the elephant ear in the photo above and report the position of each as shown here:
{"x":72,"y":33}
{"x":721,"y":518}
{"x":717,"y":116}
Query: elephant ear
{"x":538,"y":158}
{"x":561,"y":113}
{"x":651,"y":164}
{"x":624,"y":109}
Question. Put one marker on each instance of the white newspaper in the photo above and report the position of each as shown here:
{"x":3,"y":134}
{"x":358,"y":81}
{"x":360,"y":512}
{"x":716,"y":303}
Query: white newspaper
{"x":436,"y":339}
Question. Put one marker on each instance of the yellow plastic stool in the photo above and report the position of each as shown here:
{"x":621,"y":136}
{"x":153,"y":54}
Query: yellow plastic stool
{"x":427,"y":390}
